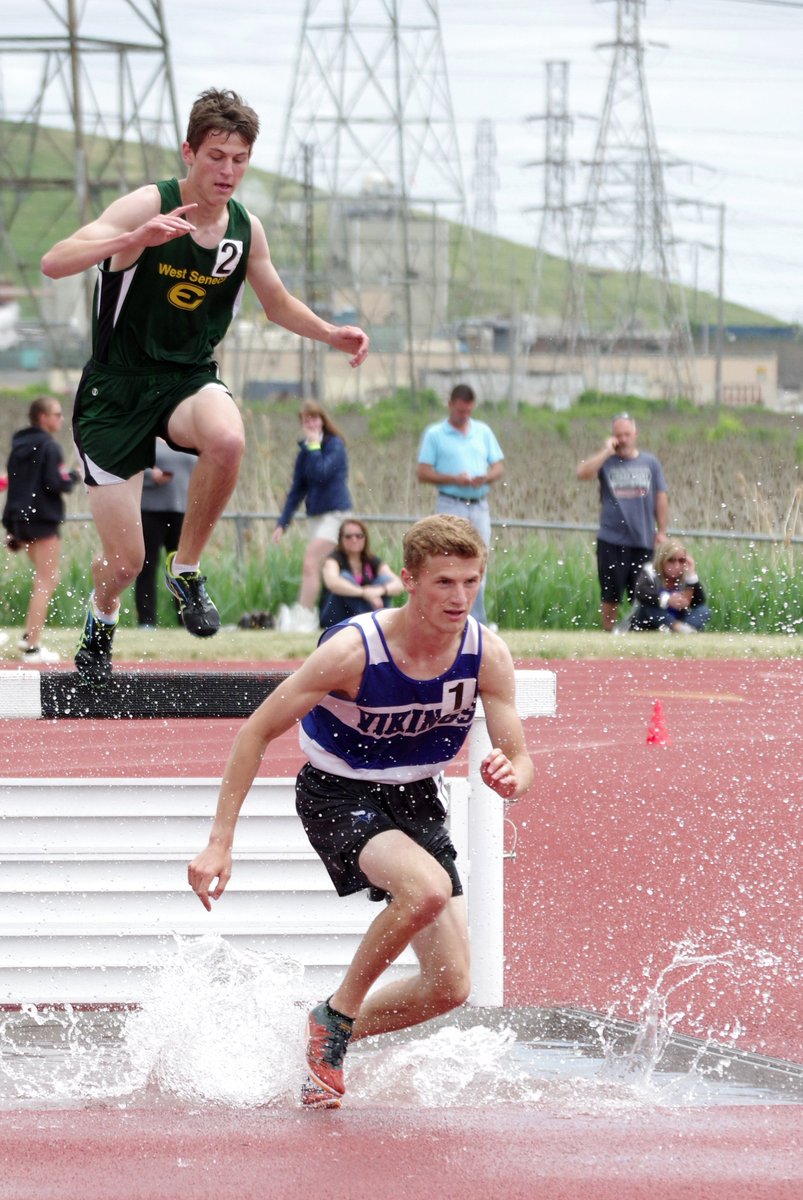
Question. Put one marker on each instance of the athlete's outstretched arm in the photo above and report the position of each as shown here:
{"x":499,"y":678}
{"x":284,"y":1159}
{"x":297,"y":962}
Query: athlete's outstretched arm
{"x":291,"y":313}
{"x":507,"y":768}
{"x":337,"y":665}
{"x":126,"y":227}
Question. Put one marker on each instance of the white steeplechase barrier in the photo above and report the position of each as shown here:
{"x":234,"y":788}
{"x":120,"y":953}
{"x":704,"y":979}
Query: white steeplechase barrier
{"x":20,"y":694}
{"x":93,"y":878}
{"x":535,"y":697}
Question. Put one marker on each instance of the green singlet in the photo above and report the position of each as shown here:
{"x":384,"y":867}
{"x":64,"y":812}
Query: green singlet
{"x":155,"y":328}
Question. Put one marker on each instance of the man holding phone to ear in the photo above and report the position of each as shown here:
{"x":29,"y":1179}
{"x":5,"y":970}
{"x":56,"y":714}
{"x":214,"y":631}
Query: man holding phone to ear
{"x":634,"y":512}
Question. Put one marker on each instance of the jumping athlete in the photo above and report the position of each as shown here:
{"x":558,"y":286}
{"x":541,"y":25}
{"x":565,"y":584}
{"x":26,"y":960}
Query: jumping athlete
{"x":384,"y":704}
{"x":173,"y":260}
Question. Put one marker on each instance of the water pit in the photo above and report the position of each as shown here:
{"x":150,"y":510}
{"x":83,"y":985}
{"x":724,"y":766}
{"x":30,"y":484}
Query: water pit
{"x":224,"y":1026}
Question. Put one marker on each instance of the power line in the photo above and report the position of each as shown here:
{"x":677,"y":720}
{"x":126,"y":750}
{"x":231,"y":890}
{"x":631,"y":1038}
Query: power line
{"x":370,"y":94}
{"x":624,"y":286}
{"x":769,"y":3}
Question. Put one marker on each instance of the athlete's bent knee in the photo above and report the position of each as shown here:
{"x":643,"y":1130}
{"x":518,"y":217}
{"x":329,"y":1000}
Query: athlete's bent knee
{"x":427,"y":899}
{"x":225,"y":450}
{"x":456,"y":988}
{"x":119,"y":572}
{"x":448,"y":989}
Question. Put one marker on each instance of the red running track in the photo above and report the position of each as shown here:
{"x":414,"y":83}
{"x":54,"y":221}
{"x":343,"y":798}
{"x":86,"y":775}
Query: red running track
{"x":626,"y":847}
{"x":402,"y":1154}
{"x":623,"y":849}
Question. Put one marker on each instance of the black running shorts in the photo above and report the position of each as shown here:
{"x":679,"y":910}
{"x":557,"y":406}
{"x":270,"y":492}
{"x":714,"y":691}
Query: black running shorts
{"x":118,"y":416}
{"x":33,"y":531}
{"x":618,"y":568}
{"x":341,"y":816}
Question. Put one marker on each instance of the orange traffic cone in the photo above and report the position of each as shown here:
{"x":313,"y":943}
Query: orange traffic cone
{"x":657,"y":733}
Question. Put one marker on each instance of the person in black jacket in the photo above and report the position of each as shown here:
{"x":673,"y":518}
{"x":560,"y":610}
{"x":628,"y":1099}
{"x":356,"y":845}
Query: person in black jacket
{"x":34,"y":511}
{"x":668,"y":595}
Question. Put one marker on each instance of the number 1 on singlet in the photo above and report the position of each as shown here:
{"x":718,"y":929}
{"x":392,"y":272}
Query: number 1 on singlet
{"x":458,"y":694}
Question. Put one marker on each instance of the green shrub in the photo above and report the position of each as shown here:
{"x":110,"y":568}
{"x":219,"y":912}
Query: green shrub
{"x":728,"y":425}
{"x":535,"y":581}
{"x":399,"y":413}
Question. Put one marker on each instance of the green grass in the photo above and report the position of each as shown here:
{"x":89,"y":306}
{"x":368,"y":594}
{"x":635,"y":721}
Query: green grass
{"x":170,"y":644}
{"x":543,"y":593}
{"x":534,"y":582}
{"x":548,"y":584}
{"x":739,"y":472}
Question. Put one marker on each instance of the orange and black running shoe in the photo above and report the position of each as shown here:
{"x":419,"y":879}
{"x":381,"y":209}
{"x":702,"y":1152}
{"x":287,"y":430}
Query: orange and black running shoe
{"x":328,"y":1036}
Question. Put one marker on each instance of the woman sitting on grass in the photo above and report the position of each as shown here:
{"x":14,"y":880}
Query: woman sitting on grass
{"x":668,"y":594}
{"x":355,"y":580}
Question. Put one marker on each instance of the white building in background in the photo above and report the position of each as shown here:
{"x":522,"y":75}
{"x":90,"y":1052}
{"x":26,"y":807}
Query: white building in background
{"x":9,"y":323}
{"x":63,"y":303}
{"x":389,"y":264}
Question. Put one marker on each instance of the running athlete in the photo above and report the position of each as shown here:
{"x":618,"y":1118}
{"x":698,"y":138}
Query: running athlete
{"x":384,"y":704}
{"x":173,"y":260}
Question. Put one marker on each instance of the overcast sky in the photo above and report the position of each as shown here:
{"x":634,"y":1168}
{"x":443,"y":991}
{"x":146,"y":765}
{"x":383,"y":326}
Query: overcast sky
{"x":724,"y":78}
{"x":725,"y":83}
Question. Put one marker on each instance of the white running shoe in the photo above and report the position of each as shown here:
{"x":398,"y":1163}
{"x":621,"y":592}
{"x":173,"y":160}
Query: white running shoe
{"x":40,"y":654}
{"x":297,"y":619}
{"x":305,"y":620}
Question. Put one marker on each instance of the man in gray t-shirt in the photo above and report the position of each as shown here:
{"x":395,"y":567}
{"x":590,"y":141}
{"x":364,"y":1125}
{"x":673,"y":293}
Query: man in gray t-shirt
{"x":634,"y":511}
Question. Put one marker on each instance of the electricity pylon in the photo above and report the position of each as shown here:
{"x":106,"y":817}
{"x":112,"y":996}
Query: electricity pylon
{"x":554,"y":238}
{"x":624,"y":244}
{"x":84,"y":116}
{"x":554,"y":231}
{"x":370,"y":101}
{"x":486,"y":177}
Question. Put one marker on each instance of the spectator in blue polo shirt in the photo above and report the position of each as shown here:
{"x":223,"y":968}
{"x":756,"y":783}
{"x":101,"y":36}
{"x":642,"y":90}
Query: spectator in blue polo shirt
{"x":462,"y":458}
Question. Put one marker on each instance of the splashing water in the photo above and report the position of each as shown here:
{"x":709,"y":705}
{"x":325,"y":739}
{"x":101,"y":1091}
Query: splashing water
{"x":224,"y":1025}
{"x":61,"y":1057}
{"x":475,"y":1066}
{"x":216,"y":1024}
{"x":656,"y":1020}
{"x":221,"y":1024}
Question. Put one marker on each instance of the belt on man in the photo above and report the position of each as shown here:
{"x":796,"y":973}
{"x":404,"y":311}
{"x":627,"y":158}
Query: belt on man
{"x":463,"y":499}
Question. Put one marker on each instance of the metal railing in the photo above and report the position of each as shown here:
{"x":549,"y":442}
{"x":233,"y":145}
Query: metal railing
{"x":243,"y":519}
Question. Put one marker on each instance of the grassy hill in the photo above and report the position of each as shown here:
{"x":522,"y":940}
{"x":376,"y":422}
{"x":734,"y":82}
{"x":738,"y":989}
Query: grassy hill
{"x":489,"y":275}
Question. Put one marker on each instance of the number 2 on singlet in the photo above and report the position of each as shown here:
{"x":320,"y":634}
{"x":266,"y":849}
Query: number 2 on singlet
{"x":229,"y":253}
